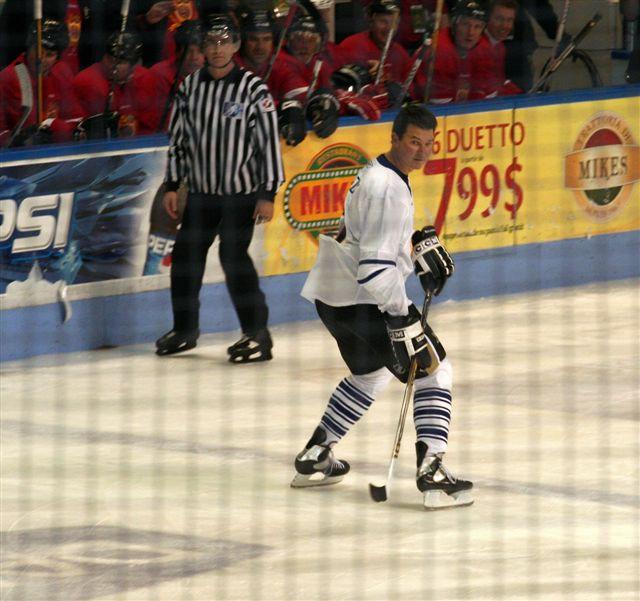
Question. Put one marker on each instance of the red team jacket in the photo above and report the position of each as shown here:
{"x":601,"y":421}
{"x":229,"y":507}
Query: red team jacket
{"x":135,"y":100}
{"x":61,"y":111}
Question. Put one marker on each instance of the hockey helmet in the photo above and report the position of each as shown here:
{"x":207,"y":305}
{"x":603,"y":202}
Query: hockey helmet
{"x":257,"y":21}
{"x":384,"y":7}
{"x":221,"y":26}
{"x":55,"y":35}
{"x":125,"y":47}
{"x":190,"y":32}
{"x":475,"y":9}
{"x":351,"y":77}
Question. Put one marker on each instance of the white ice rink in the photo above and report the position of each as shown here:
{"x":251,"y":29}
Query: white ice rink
{"x":127,"y":476}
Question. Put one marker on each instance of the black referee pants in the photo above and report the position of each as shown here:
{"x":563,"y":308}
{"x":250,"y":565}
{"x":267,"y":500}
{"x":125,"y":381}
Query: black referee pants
{"x":205,"y":217}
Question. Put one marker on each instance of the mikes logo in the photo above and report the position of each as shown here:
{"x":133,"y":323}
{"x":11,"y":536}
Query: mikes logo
{"x":314,"y":199}
{"x":604,"y":166}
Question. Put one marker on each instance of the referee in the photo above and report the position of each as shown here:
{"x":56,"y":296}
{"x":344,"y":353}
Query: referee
{"x":224,"y":143}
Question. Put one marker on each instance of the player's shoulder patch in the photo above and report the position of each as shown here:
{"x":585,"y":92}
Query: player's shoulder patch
{"x":266,"y":104}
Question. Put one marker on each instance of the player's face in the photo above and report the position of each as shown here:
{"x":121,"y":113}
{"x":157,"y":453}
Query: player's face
{"x":467,"y":32}
{"x":304,"y":45}
{"x":380,"y":28}
{"x":219,"y":51}
{"x":194,"y":59}
{"x":501,"y":22}
{"x":258,"y":47}
{"x":413,"y":150}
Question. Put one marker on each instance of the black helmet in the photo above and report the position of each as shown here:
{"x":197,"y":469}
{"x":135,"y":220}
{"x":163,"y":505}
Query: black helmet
{"x":351,"y":77}
{"x":306,"y":24}
{"x":55,"y":35}
{"x":475,"y":9}
{"x":190,"y":32}
{"x":125,"y":47}
{"x":383,"y":7}
{"x":257,"y":21}
{"x":221,"y":25}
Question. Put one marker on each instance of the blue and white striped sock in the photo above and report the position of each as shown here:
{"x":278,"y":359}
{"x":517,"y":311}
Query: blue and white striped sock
{"x":347,"y":405}
{"x":432,"y":416}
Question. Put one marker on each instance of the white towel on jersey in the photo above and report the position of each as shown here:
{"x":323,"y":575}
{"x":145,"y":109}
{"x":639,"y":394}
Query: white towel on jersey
{"x":371,"y":264}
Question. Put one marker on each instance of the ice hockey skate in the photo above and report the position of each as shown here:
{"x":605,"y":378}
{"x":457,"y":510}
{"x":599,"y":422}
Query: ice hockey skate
{"x":252,"y":348}
{"x":440,"y":487}
{"x":176,"y":341}
{"x":316,"y":465}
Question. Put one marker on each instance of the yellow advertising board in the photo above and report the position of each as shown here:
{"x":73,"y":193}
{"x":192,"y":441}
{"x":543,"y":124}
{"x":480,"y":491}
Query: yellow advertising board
{"x":496,"y":179}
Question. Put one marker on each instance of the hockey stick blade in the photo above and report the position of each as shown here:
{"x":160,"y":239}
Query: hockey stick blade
{"x":378,"y":493}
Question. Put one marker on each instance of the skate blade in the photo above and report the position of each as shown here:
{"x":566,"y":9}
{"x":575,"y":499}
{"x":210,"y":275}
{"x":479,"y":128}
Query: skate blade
{"x":174,"y":350}
{"x":315,"y":479}
{"x":438,"y":499}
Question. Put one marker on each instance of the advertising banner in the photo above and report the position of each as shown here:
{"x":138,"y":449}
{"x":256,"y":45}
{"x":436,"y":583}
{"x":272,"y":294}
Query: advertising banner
{"x":496,"y":179}
{"x":84,"y":219}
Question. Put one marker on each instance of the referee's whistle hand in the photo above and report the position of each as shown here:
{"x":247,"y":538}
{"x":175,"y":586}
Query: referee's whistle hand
{"x":263,"y":212}
{"x":171,"y":204}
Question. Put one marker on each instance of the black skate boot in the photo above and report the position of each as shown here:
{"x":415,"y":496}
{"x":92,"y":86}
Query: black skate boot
{"x":441,"y":488}
{"x":251,"y":348}
{"x":176,"y":341}
{"x":316,"y":465}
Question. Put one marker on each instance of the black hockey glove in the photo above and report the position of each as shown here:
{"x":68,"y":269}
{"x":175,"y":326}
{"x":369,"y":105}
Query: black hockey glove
{"x":431,"y":261}
{"x":322,"y":110}
{"x":351,"y":77}
{"x":409,"y":338}
{"x":293,"y":126}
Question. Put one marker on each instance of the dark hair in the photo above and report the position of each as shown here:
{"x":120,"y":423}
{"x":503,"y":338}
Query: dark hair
{"x":512,"y":4}
{"x":414,"y":113}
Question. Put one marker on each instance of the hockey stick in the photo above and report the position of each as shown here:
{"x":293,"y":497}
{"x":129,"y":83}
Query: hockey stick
{"x":559,"y":33}
{"x":381,"y":493}
{"x":419,"y":57}
{"x":173,"y":90}
{"x":26,"y":92}
{"x":432,"y":58}
{"x":293,"y":9}
{"x":37,"y":13}
{"x":387,"y":45}
{"x":124,"y":13}
{"x":566,"y":52}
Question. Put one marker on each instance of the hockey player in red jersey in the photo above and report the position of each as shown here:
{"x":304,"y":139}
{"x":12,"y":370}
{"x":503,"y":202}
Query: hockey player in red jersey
{"x":119,"y":84}
{"x":18,"y":91}
{"x":166,"y":75}
{"x":258,"y":41}
{"x":462,"y":57}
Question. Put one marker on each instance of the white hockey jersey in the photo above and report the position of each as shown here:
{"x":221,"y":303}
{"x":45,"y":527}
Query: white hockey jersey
{"x":371,"y":264}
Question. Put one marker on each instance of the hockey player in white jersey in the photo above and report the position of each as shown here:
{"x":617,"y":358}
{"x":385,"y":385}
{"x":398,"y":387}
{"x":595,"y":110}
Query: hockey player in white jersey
{"x":358,"y":287}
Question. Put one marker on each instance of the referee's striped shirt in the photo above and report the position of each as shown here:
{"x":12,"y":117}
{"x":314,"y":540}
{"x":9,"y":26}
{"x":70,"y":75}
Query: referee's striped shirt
{"x":224,"y":136}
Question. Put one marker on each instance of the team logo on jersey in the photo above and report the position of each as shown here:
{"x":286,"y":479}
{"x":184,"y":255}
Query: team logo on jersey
{"x":267,"y":106}
{"x":603,"y":167}
{"x":233,"y":110}
{"x":314,"y":199}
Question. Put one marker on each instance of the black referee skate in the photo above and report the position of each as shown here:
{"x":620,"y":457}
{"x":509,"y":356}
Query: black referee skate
{"x":440,"y":487}
{"x":316,"y":465}
{"x":176,"y":341}
{"x":251,"y":348}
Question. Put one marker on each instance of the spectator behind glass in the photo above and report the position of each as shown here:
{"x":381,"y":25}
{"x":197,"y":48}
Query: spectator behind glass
{"x":118,"y":84}
{"x":502,"y":14}
{"x":521,"y":46}
{"x":60,"y":110}
{"x":462,"y":58}
{"x":89,"y":23}
{"x":167,"y":75}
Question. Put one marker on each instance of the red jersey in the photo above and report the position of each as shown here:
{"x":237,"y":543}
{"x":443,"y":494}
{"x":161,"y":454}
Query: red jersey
{"x":494,"y":79}
{"x":457,"y":77}
{"x":133,"y":100}
{"x":61,"y":112}
{"x":360,"y":48}
{"x":291,"y":78}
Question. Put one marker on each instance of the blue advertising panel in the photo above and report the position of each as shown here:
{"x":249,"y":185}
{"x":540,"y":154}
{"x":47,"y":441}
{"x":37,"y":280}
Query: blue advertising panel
{"x":84,"y":218}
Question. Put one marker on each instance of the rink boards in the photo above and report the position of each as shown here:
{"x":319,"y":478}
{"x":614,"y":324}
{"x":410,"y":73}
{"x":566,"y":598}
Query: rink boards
{"x":528,"y":193}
